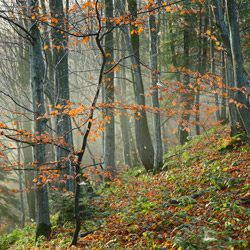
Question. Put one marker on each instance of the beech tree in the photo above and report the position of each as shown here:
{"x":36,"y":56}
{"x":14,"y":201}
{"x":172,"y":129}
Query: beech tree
{"x":61,"y":89}
{"x":43,"y":226}
{"x":109,"y":133}
{"x":185,"y":92}
{"x":142,"y":134}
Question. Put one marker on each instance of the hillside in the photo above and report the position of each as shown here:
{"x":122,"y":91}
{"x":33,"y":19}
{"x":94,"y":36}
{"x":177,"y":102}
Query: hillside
{"x":200,"y":201}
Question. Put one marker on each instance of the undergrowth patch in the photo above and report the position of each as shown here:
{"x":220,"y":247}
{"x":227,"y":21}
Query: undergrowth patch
{"x":195,"y":203}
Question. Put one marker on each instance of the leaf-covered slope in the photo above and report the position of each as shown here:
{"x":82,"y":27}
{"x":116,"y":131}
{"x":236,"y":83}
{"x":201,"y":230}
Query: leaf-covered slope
{"x":196,"y":203}
{"x":200,"y":201}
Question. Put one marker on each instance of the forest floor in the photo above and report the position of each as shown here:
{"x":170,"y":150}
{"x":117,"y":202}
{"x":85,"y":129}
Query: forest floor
{"x":200,"y":201}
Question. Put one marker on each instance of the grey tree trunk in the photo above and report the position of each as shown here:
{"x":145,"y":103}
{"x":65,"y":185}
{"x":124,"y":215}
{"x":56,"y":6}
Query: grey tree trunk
{"x":43,"y":226}
{"x":26,"y":124}
{"x":20,"y":181}
{"x":212,"y":65}
{"x":143,"y":139}
{"x":121,"y":96}
{"x":49,"y":87}
{"x":223,"y":110}
{"x":232,"y":106}
{"x":155,"y":96}
{"x":239,"y":79}
{"x":197,"y":98}
{"x":186,"y":97}
{"x":109,"y":133}
{"x":61,"y":79}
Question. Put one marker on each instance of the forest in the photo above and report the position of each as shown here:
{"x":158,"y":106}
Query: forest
{"x":125,"y":124}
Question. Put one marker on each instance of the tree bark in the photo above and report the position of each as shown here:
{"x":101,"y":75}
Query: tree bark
{"x":212,"y":65}
{"x":61,"y":98}
{"x":239,"y":78}
{"x":109,"y":133}
{"x":155,"y":97}
{"x":143,"y":139}
{"x":187,"y":95}
{"x":43,"y":226}
{"x":223,"y":110}
{"x":232,"y":106}
{"x":26,"y":124}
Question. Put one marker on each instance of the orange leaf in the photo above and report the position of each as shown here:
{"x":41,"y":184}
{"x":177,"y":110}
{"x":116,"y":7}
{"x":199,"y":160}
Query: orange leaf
{"x":172,"y":68}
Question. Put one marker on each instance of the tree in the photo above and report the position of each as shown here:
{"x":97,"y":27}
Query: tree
{"x":155,"y":97}
{"x":43,"y":226}
{"x":231,"y":39}
{"x":61,"y":98}
{"x":109,"y":133}
{"x":239,"y":78}
{"x":143,"y":139}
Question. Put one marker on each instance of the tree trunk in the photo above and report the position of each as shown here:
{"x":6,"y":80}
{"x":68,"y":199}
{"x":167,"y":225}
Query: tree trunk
{"x":212,"y":65}
{"x":197,"y":98}
{"x":121,"y":97}
{"x":239,"y":78}
{"x":223,"y":111}
{"x":231,"y":105}
{"x":26,"y":124}
{"x":187,"y":96}
{"x":61,"y":98}
{"x":142,"y":134}
{"x":109,"y":133}
{"x":20,"y":181}
{"x":43,"y":226}
{"x":155,"y":97}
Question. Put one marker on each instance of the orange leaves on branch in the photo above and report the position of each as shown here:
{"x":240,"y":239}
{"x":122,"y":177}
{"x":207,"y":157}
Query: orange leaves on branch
{"x":116,"y":68}
{"x":171,"y":69}
{"x":54,"y":20}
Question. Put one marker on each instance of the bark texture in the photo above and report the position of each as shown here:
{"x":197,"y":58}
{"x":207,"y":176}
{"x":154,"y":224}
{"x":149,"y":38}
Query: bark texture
{"x":43,"y":226}
{"x":239,"y":78}
{"x":155,"y":96}
{"x":109,"y":133}
{"x":143,"y":139}
{"x":61,"y":96}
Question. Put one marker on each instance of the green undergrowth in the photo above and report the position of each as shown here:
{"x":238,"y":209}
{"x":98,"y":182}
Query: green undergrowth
{"x":194,"y":203}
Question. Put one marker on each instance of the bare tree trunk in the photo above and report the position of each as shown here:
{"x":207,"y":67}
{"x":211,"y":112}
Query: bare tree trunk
{"x":155,"y":97}
{"x":223,"y":111}
{"x":232,"y":106}
{"x":212,"y":65}
{"x":43,"y":226}
{"x":26,"y":124}
{"x":109,"y":133}
{"x":187,"y":97}
{"x":197,"y":98}
{"x":20,"y":181}
{"x":61,"y":98}
{"x":239,"y":78}
{"x":121,"y":96}
{"x":142,"y":134}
